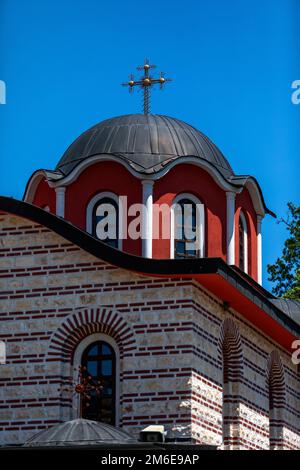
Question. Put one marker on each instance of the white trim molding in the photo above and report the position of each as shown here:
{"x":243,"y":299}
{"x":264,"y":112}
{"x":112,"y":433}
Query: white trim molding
{"x":147,"y":218}
{"x":245,"y":241}
{"x":77,"y":362}
{"x":236,"y":185}
{"x":259,"y":249}
{"x":90,"y":208}
{"x":200,"y":228}
{"x":230,"y":227}
{"x":202,"y":163}
{"x":32,"y":185}
{"x":256,"y":197}
{"x":60,"y":200}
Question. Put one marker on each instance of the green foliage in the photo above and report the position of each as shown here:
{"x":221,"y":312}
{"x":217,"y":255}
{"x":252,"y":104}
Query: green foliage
{"x":285,"y":272}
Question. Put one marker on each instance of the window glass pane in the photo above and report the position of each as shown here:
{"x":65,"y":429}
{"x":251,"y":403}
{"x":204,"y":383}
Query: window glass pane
{"x":190,"y":247}
{"x":179,"y":231}
{"x":180,"y":247}
{"x":94,"y":350}
{"x":106,"y":350}
{"x":108,"y":230}
{"x":92,"y":368}
{"x":99,"y":360}
{"x":189,"y":234}
{"x":107,"y":391}
{"x":93,"y":395}
{"x":186,"y":229}
{"x":106,"y":402}
{"x":106,"y":367}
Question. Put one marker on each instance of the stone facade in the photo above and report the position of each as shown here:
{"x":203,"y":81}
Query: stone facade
{"x":185,"y":361}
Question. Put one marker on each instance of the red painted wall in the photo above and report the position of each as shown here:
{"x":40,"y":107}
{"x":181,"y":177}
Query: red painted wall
{"x":243,"y":202}
{"x":191,"y":179}
{"x":45,"y":196}
{"x":102,"y":176}
{"x":184,"y":178}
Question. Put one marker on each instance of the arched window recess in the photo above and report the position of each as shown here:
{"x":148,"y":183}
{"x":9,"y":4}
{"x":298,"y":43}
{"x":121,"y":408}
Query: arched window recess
{"x":97,"y":370}
{"x":187,"y":227}
{"x":104,"y":218}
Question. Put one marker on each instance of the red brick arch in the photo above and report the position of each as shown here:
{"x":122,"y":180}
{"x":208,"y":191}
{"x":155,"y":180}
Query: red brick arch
{"x":85,"y":322}
{"x":230,"y":351}
{"x":231,"y":354}
{"x":275,"y":379}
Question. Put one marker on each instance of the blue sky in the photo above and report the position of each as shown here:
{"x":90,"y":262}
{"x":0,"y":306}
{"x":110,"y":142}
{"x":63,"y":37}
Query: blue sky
{"x":232,"y":64}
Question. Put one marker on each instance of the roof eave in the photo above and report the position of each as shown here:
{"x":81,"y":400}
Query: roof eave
{"x":198,"y":269}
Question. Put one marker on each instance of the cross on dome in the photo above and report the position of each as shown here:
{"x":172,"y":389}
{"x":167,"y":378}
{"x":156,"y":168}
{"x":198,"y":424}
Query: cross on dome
{"x":146,"y":82}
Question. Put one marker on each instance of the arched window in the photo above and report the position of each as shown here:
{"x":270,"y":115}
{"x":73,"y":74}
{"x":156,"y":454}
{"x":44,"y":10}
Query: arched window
{"x":243,"y":243}
{"x":187,"y":227}
{"x":103,"y":218}
{"x":99,"y":365}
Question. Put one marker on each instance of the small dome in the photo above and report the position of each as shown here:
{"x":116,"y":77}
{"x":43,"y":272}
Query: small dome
{"x":146,"y":142}
{"x":80,"y":432}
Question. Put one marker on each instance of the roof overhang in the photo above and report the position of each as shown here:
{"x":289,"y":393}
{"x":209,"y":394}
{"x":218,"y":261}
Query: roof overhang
{"x":242,"y":293}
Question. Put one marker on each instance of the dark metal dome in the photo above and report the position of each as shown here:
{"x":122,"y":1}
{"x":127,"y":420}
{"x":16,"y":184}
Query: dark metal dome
{"x":80,"y":432}
{"x":146,"y":142}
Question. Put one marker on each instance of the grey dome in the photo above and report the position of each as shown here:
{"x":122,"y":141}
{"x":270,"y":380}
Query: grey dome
{"x":80,"y":432}
{"x":146,"y":142}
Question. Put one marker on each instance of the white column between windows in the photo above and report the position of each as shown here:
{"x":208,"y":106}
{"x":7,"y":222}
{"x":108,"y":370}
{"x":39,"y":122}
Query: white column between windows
{"x":60,"y":201}
{"x":147,"y":218}
{"x":230,"y":227}
{"x":259,"y":249}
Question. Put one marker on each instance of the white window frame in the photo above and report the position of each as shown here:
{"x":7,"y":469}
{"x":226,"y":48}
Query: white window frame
{"x":90,"y":208}
{"x":200,"y":207}
{"x":243,"y":220}
{"x":77,"y":362}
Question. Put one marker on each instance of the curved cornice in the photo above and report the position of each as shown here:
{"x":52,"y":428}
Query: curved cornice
{"x":257,"y":197}
{"x":35,"y":179}
{"x":156,"y":174}
{"x":32,"y":184}
{"x":234,"y":184}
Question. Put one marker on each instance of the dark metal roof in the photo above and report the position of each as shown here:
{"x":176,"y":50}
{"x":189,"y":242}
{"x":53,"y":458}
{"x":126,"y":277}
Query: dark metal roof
{"x":145,"y":141}
{"x":290,"y":307}
{"x":80,"y":432}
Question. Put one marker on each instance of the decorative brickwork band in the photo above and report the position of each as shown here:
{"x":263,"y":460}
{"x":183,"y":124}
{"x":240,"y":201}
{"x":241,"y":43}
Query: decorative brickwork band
{"x":230,"y":350}
{"x":277,"y":400}
{"x":231,"y":353}
{"x":85,"y":322}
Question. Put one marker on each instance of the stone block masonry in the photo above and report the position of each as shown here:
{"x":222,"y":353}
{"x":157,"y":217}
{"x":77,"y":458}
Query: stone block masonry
{"x":172,"y":337}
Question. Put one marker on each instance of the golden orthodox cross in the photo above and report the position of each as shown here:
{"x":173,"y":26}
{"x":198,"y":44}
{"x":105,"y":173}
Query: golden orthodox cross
{"x":146,"y":82}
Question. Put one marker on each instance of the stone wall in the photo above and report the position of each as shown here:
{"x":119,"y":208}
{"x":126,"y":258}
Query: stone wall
{"x":249,"y":387}
{"x":53,"y":294}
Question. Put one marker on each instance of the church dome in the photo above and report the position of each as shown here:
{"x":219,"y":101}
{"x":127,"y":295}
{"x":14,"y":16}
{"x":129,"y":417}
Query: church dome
{"x":80,"y":432}
{"x":146,"y":142}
